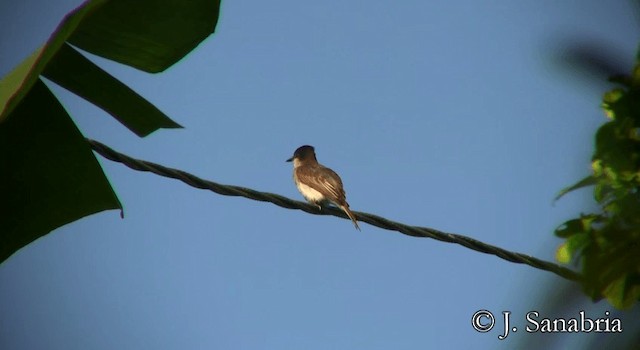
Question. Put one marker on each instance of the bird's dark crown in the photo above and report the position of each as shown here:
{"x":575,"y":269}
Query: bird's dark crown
{"x":304,"y":152}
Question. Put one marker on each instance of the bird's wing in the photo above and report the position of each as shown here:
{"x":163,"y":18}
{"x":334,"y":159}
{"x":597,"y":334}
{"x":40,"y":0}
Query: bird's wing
{"x":325,"y":181}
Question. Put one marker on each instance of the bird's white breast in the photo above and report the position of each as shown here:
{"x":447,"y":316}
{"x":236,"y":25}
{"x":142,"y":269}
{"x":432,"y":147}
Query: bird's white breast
{"x":309,"y":193}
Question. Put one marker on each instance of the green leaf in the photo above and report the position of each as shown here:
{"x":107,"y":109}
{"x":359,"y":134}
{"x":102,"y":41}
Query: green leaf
{"x":17,"y":84}
{"x":571,"y":247}
{"x":587,"y":181}
{"x":150,"y":35}
{"x":622,"y":294}
{"x":48,"y":174}
{"x":73,"y":71}
{"x":608,"y":101}
{"x":563,"y":254}
{"x":570,"y":228}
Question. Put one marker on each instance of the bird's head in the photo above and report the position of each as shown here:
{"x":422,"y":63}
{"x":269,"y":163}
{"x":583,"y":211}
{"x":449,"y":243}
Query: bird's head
{"x":303,"y":153}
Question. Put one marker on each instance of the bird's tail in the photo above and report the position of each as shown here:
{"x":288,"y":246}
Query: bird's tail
{"x":345,"y":208}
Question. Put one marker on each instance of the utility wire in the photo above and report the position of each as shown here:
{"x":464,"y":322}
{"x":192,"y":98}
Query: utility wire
{"x":415,"y":231}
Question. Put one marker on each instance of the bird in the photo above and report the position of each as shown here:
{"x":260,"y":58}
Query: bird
{"x":318,"y":184}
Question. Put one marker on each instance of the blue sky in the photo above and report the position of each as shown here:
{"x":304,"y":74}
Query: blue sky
{"x":454,"y":115}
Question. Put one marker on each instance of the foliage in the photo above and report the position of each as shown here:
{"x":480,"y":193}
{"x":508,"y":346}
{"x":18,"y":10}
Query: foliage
{"x":607,"y":244}
{"x":48,"y":174}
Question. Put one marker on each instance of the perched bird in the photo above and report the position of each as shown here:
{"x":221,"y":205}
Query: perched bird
{"x":318,"y":184}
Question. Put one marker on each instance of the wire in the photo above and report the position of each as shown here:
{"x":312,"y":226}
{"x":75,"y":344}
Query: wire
{"x":414,"y":231}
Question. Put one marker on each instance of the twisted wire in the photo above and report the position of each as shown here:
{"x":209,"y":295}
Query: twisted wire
{"x":414,"y":231}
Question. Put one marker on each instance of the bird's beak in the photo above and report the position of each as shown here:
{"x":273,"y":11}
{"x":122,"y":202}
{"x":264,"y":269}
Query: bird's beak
{"x":290,"y":159}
